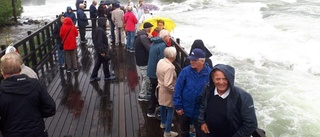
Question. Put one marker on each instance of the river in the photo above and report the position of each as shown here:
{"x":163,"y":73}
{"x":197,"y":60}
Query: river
{"x":274,"y":46}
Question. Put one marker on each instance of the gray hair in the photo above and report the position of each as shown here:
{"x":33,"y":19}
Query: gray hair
{"x":164,"y":33}
{"x":129,"y":8}
{"x":170,"y":52}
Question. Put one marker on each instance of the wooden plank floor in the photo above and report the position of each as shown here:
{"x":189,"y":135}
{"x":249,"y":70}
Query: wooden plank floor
{"x":101,"y":108}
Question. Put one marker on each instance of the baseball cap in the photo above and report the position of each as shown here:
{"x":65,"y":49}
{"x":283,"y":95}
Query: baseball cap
{"x":196,"y":54}
{"x":147,"y":25}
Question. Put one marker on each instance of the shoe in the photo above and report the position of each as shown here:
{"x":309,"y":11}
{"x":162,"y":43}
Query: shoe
{"x":62,"y":67}
{"x":68,"y":71}
{"x":151,"y":115}
{"x":143,"y":99}
{"x":94,"y":79}
{"x":131,"y":50}
{"x":110,"y":78}
{"x":171,"y":134}
{"x":164,"y":125}
{"x":75,"y":70}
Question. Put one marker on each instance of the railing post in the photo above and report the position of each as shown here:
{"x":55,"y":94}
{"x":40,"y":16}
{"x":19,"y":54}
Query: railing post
{"x":178,"y":40}
{"x":3,"y":47}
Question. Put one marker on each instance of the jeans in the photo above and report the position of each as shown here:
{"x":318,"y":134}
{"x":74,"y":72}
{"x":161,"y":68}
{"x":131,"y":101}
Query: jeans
{"x":61,"y":58}
{"x":100,"y":60}
{"x":145,"y":81}
{"x":130,"y":39}
{"x":185,"y":122}
{"x":166,"y":117}
{"x":153,"y":100}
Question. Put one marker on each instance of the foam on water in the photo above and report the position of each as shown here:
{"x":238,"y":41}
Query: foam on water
{"x":276,"y":57}
{"x":272,"y":44}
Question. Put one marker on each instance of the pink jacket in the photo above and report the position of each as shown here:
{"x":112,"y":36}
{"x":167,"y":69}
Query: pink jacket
{"x":130,"y":20}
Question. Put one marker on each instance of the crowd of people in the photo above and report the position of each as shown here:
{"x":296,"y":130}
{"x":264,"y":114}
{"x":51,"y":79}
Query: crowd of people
{"x":202,"y":94}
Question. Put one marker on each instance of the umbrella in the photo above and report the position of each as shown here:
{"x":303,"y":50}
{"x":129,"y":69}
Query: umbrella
{"x":168,"y":23}
{"x":149,"y":7}
{"x":107,"y":2}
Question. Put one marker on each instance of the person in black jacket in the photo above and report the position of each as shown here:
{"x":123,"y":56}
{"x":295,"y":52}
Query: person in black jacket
{"x":56,"y":34}
{"x":198,"y":43}
{"x":101,"y":47}
{"x":141,"y":46}
{"x":226,"y":110}
{"x":24,"y":102}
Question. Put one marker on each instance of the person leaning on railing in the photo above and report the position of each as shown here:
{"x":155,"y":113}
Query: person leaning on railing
{"x":226,"y":110}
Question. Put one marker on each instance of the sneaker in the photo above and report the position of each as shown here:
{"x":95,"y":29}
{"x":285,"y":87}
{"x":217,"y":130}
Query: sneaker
{"x":62,"y":67}
{"x":151,"y":115}
{"x":164,"y":125}
{"x":75,"y":70}
{"x":143,"y":99}
{"x":131,"y":50}
{"x":68,"y":71}
{"x":94,"y":79}
{"x":171,"y":134}
{"x":110,"y":78}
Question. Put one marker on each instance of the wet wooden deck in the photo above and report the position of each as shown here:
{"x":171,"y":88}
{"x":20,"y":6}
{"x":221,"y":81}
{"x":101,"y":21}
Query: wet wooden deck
{"x":101,"y":108}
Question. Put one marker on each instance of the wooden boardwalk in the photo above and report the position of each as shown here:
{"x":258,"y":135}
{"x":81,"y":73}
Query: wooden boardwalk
{"x":100,"y":108}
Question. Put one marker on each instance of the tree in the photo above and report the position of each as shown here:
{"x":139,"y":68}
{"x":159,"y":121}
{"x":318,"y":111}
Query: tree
{"x":6,"y":10}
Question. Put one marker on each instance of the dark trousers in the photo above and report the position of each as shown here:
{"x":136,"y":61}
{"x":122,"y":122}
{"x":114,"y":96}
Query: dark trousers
{"x":94,"y":22}
{"x":112,"y":26}
{"x":100,"y":60}
{"x":82,"y":31}
{"x":153,"y":100}
{"x":185,"y":122}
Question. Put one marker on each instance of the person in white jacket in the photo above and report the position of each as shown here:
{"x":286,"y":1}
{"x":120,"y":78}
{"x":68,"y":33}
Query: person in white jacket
{"x":145,"y":16}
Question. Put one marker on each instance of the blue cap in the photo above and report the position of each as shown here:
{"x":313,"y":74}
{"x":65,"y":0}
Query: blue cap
{"x":117,"y":5}
{"x":196,"y":54}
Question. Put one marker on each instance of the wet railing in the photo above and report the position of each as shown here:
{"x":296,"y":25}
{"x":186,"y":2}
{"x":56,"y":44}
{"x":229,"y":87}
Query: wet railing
{"x":38,"y":49}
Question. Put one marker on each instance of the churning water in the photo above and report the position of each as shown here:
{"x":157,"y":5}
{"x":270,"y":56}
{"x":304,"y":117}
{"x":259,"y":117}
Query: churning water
{"x":274,"y":46}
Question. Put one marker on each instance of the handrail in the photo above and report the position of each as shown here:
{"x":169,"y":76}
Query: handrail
{"x":38,"y":51}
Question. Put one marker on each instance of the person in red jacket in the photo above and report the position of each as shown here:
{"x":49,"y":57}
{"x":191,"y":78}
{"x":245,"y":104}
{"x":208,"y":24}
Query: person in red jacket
{"x":68,"y":34}
{"x":156,"y":31}
{"x":130,"y":21}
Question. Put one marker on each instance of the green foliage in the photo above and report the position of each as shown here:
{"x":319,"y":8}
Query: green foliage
{"x":6,"y":10}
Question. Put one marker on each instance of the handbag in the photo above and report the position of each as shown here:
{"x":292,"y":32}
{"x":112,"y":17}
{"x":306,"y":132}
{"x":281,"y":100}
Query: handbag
{"x":61,"y":46}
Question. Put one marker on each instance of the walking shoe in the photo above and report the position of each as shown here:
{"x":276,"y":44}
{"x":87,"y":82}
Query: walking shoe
{"x":75,"y":70}
{"x":131,"y":50}
{"x":151,"y":115}
{"x":110,"y":78}
{"x":94,"y":79}
{"x":171,"y":134}
{"x":143,"y":99}
{"x":164,"y":125}
{"x":68,"y":70}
